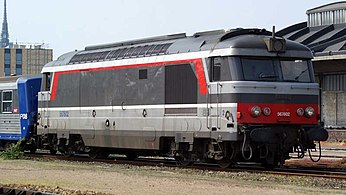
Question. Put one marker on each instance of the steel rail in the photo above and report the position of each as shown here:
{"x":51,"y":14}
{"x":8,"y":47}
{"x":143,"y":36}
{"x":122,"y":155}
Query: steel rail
{"x":321,"y":172}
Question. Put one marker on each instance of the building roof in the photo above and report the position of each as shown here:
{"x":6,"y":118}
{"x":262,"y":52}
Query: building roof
{"x":327,"y":37}
{"x":321,"y":40}
{"x":325,"y":34}
{"x":328,"y":7}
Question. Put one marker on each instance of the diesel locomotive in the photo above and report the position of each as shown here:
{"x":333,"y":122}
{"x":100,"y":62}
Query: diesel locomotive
{"x":224,"y":96}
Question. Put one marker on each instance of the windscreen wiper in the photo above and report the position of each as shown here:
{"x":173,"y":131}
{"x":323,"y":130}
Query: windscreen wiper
{"x":301,"y":73}
{"x":267,"y":76}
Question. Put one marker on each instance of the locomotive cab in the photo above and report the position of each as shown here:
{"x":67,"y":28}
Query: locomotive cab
{"x":276,"y":97}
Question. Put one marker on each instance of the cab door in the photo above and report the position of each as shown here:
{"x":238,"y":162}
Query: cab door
{"x":214,"y":107}
{"x":214,"y":95}
{"x":43,"y":103}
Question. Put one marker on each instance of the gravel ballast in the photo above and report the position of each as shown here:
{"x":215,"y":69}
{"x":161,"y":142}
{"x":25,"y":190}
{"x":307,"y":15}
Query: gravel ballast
{"x":64,"y":177}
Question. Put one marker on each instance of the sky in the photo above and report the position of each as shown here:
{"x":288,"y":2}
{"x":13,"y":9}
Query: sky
{"x":68,"y":25}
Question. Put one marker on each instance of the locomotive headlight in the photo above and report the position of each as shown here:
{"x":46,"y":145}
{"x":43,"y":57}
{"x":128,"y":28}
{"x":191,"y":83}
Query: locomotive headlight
{"x":309,"y":112}
{"x":300,"y":111}
{"x":267,"y":111}
{"x":256,"y":111}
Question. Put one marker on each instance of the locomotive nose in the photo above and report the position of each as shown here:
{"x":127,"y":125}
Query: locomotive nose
{"x":277,"y":113}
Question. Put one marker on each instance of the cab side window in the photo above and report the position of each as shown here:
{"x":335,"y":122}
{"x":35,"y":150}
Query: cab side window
{"x":46,"y":81}
{"x":216,"y":69}
{"x":219,"y":69}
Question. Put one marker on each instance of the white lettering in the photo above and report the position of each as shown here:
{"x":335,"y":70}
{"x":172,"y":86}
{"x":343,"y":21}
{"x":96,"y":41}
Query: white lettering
{"x":24,"y":116}
{"x":286,"y":114}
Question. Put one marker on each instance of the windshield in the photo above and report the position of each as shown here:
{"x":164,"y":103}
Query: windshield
{"x":258,"y":70}
{"x":274,"y":69}
{"x":295,"y":70}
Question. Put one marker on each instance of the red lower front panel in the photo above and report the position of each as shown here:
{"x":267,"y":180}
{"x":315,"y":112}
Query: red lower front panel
{"x":280,"y":114}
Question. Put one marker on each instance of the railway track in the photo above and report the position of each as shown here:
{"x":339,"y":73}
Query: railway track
{"x":15,"y":191}
{"x":289,"y":170}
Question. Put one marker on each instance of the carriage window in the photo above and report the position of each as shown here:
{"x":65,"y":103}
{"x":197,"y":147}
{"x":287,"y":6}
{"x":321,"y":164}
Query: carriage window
{"x":295,"y":70}
{"x":258,"y":69}
{"x":7,"y":102}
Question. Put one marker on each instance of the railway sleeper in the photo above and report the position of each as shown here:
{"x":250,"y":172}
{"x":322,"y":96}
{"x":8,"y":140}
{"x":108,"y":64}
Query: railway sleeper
{"x":15,"y":191}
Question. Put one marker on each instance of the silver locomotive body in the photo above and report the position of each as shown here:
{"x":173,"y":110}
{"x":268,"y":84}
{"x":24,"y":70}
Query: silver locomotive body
{"x":225,"y":96}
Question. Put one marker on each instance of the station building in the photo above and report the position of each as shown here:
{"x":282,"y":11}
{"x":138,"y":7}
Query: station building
{"x":324,"y":33}
{"x":23,"y":60}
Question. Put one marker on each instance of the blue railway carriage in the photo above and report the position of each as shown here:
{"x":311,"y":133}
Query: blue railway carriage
{"x":18,"y":110}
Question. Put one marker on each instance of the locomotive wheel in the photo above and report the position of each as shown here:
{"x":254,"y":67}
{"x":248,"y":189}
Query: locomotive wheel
{"x":33,"y":150}
{"x":67,"y":152}
{"x":52,"y":151}
{"x":184,"y":159}
{"x":93,"y":154}
{"x":224,"y":163}
{"x":132,"y":155}
{"x":96,"y":154}
{"x":270,"y":165}
{"x":228,"y":159}
{"x":270,"y":162}
{"x":104,"y":154}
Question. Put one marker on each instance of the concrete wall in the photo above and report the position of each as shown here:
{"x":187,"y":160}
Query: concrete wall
{"x":336,"y":135}
{"x":329,"y":108}
{"x":331,"y":72}
{"x":36,"y":59}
